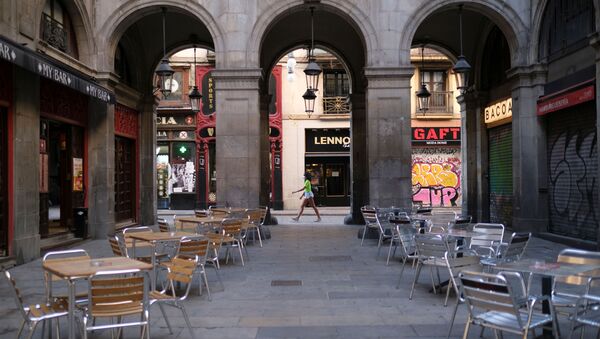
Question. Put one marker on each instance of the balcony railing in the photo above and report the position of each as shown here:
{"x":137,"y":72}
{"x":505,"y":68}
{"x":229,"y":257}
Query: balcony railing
{"x":336,"y":105}
{"x":440,"y":103}
{"x":54,"y":33}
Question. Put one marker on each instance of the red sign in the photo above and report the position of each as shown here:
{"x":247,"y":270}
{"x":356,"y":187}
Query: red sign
{"x":566,"y":100}
{"x":436,"y":135}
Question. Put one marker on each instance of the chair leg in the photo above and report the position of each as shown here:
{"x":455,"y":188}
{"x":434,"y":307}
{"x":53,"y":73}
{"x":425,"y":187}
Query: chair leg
{"x":259,"y":236}
{"x":432,"y":279}
{"x":21,"y":329}
{"x":419,"y":266}
{"x":187,"y":321}
{"x":32,"y":330}
{"x":363,"y":235}
{"x":467,"y":325}
{"x":453,"y":316}
{"x":401,"y":271}
{"x":162,"y":310}
{"x":448,"y":292}
{"x":203,"y":273}
{"x":241,"y":255}
{"x":389,"y":252}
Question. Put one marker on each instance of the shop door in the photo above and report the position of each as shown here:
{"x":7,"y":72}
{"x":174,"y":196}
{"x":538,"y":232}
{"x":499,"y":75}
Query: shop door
{"x":124,"y":180}
{"x":3,"y":183}
{"x":331,"y":175}
{"x":500,"y":174}
{"x":572,"y":172}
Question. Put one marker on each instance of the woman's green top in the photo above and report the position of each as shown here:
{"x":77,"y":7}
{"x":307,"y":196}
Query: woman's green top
{"x":307,"y":186}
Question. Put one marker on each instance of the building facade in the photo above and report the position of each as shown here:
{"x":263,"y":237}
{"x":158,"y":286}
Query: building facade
{"x":78,"y":106}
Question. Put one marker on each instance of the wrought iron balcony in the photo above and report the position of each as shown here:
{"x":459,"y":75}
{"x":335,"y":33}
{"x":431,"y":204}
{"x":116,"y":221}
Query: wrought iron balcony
{"x":54,"y":33}
{"x":336,"y":105}
{"x":440,"y":103}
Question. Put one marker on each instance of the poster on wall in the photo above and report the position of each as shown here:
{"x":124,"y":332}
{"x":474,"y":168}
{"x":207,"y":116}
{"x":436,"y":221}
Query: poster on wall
{"x":43,"y":173}
{"x":77,"y":174}
{"x":436,"y":176}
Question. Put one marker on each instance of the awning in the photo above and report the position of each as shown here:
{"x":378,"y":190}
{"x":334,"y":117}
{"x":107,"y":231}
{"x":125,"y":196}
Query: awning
{"x":568,"y":97}
{"x":53,"y":70}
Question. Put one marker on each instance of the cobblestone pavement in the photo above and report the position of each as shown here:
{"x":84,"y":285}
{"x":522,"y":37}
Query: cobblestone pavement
{"x":345,"y":291}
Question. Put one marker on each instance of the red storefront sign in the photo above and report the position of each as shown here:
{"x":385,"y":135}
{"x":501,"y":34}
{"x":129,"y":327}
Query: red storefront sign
{"x":557,"y":103}
{"x":436,"y":135}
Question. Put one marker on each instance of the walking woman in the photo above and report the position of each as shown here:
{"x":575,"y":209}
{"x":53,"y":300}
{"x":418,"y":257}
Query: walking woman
{"x":308,"y":198}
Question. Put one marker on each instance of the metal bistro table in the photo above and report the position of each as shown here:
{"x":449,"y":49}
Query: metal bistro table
{"x":211,"y":221}
{"x":154,"y":238}
{"x":547,"y":270}
{"x":72,"y":270}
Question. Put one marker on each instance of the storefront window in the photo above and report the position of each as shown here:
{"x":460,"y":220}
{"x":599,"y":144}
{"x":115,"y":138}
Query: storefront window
{"x":183,"y":171}
{"x":212,"y":183}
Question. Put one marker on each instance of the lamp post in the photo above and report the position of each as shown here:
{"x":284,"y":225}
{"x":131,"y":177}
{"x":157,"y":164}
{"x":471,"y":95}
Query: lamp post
{"x":311,"y":71}
{"x":164,"y":70}
{"x":461,"y":68}
{"x":423,"y":94}
{"x":195,"y":96}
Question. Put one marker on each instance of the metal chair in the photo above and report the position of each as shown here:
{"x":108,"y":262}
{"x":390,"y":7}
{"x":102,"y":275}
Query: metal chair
{"x":50,"y":279}
{"x":500,"y":302}
{"x":369,"y":214}
{"x":431,"y":251}
{"x":115,"y":294}
{"x":36,"y":313}
{"x":513,"y":250}
{"x":159,"y":254}
{"x":588,"y":314}
{"x":254,"y":223}
{"x":490,"y":240}
{"x":164,"y":226}
{"x":408,"y":244}
{"x":181,"y":271}
{"x":395,"y":239}
{"x":231,"y":237}
{"x":457,"y":262}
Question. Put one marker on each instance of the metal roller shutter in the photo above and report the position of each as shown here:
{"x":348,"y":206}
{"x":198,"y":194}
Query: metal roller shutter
{"x":572,"y":172}
{"x":500,"y":174}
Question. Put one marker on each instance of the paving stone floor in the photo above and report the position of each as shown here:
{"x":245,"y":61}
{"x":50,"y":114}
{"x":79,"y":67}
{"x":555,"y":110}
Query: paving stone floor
{"x":345,"y":292}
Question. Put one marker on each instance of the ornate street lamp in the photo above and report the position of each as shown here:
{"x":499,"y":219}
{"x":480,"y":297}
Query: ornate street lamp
{"x":311,"y":71}
{"x":195,"y":96}
{"x":423,"y":94}
{"x":461,"y":68}
{"x":164,"y":70}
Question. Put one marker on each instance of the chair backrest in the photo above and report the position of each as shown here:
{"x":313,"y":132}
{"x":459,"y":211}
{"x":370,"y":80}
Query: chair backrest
{"x":190,"y":247}
{"x":117,"y":245}
{"x":516,"y":246}
{"x":62,"y":256}
{"x":492,"y":235}
{"x":117,"y":293}
{"x":254,"y":216}
{"x":232,"y":227}
{"x":369,"y":213}
{"x":264,"y":210}
{"x":138,"y":229}
{"x":459,"y":261}
{"x":503,"y":292}
{"x":407,"y":235}
{"x":16,"y":295}
{"x":436,"y":229}
{"x":181,"y":271}
{"x":163,"y":225}
{"x":576,"y":256}
{"x":434,"y":246}
{"x":218,"y":211}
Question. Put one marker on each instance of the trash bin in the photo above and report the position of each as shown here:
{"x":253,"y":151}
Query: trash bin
{"x":80,"y":222}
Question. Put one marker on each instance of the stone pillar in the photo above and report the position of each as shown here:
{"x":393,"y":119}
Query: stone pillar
{"x":530,"y":185}
{"x":239,"y":136}
{"x":389,"y":136}
{"x":359,"y":162}
{"x":595,"y":42}
{"x":473,"y":150}
{"x":101,"y":168}
{"x":147,"y":149}
{"x":26,"y":143}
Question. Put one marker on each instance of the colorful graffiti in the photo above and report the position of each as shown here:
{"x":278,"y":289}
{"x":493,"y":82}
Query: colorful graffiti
{"x":436,"y":176}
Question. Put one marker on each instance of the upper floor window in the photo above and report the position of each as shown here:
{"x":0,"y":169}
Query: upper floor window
{"x":122,"y":65}
{"x":565,"y":27}
{"x":336,"y":83}
{"x":435,"y":80}
{"x":57,"y":29}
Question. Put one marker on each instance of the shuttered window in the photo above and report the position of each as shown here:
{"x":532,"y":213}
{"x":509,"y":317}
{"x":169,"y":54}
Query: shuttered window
{"x":500,"y":174}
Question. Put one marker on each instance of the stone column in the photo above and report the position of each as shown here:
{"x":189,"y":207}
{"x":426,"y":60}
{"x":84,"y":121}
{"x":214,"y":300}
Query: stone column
{"x":26,"y":143}
{"x":147,"y":149}
{"x":595,"y":42}
{"x":101,"y":168}
{"x":359,"y":162}
{"x":389,"y":136}
{"x":530,"y":185}
{"x":239,"y":136}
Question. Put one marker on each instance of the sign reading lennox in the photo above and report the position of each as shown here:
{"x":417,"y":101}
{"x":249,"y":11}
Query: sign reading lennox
{"x":436,"y":135}
{"x":328,"y":140}
{"x":498,"y":111}
{"x":559,"y":102}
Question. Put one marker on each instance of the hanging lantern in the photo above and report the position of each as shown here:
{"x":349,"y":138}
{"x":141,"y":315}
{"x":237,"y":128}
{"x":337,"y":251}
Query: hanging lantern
{"x":461,"y":68}
{"x":423,"y":95}
{"x":195,"y":96}
{"x":165,"y":77}
{"x":312,"y":72}
{"x":309,"y":101}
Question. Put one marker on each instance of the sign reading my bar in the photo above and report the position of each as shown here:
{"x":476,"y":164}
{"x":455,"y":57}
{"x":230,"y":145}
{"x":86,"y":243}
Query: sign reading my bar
{"x":436,"y":135}
{"x":559,"y":102}
{"x":47,"y":68}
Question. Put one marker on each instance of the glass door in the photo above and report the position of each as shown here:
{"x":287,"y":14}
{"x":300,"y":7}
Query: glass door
{"x":124,"y":179}
{"x":335,"y":182}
